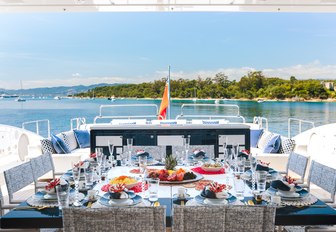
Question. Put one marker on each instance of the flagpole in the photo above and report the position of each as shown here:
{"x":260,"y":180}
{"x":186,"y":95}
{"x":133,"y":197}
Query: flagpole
{"x":168,"y":92}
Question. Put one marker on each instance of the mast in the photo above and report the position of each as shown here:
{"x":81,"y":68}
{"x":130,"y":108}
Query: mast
{"x":168,"y":81}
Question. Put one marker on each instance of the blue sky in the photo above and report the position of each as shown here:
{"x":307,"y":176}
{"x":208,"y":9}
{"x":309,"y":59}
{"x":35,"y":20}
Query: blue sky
{"x":53,"y":49}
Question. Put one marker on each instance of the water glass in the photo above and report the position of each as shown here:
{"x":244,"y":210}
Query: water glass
{"x":129,"y":148}
{"x":239,"y":185}
{"x":76,"y":176}
{"x":261,"y":180}
{"x":153,"y":189}
{"x":143,"y":164}
{"x":88,"y":177}
{"x":240,"y":165}
{"x":62,"y":196}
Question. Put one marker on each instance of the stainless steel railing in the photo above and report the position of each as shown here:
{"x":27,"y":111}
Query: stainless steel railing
{"x":300,"y":122}
{"x":37,"y":126}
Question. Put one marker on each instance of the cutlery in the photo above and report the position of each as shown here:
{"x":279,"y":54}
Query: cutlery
{"x":32,"y":207}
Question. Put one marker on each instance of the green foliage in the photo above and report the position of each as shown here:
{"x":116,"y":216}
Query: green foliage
{"x":251,"y":86}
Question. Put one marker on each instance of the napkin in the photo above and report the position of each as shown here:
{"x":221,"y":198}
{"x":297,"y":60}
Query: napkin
{"x":199,"y":154}
{"x":280,"y":185}
{"x":243,"y":154}
{"x":262,"y":168}
{"x":142,"y":153}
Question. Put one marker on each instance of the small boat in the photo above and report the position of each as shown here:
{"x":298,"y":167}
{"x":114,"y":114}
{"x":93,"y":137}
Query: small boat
{"x":260,"y":101}
{"x":57,"y":98}
{"x":19,"y":99}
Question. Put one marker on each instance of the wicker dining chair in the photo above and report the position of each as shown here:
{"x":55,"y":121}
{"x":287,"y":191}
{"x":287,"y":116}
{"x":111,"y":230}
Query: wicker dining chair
{"x":17,"y":178}
{"x":228,"y":218}
{"x":324,"y":177}
{"x":115,"y":219}
{"x":41,"y":165}
{"x":298,"y":165}
{"x":4,"y":206}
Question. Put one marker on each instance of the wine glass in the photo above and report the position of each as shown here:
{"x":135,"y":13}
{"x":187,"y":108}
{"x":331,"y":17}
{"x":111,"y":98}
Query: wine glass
{"x":186,"y":143}
{"x":99,"y":155}
{"x":111,"y":150}
{"x":129,"y":148}
{"x":76,"y":170}
{"x":253,"y":170}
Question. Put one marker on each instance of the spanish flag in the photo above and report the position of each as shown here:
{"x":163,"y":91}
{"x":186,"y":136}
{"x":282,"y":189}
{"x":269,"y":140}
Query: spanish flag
{"x":164,"y":104}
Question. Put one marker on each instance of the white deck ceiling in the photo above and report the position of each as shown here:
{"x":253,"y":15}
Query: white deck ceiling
{"x":168,"y":5}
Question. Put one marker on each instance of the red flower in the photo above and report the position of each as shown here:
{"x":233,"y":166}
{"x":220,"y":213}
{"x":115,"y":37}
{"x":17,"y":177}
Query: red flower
{"x":216,"y":187}
{"x":290,"y":180}
{"x":93,"y":155}
{"x":117,"y":188}
{"x":79,"y":164}
{"x":52,"y":184}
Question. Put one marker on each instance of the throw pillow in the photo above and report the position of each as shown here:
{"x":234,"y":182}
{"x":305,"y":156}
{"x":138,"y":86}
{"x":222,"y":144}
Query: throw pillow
{"x":265,"y":137}
{"x":273,"y":145}
{"x":59,"y":144}
{"x":83,"y":138}
{"x":47,"y":146}
{"x":287,"y":145}
{"x":70,"y":140}
{"x":254,"y":137}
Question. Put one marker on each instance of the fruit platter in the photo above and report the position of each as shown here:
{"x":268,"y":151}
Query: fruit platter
{"x":173,"y":175}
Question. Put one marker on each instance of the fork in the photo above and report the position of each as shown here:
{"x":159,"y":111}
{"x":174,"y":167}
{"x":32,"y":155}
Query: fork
{"x":31,"y":207}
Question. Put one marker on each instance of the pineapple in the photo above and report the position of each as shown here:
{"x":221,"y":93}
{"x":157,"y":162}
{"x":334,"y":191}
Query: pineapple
{"x":170,"y":162}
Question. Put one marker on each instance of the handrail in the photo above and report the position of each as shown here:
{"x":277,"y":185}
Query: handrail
{"x":236,"y":107}
{"x":300,"y":124}
{"x":259,"y":120}
{"x":37,"y":125}
{"x":102,"y":107}
{"x":78,"y":122}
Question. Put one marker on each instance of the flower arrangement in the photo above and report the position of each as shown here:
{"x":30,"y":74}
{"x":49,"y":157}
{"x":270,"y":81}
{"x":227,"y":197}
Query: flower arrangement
{"x":117,"y":188}
{"x":80,"y":164}
{"x":290,"y":180}
{"x":264,"y":163}
{"x":93,"y":156}
{"x":50,"y":187}
{"x":216,"y":187}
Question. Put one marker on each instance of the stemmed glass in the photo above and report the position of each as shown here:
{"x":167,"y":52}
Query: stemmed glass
{"x":111,"y":149}
{"x":99,"y":155}
{"x":143,"y":169}
{"x":186,"y":143}
{"x":129,"y":148}
{"x":253,"y":169}
{"x":235,"y":152}
{"x":76,"y":170}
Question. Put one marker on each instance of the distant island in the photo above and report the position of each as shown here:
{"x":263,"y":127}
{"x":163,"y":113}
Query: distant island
{"x":254,"y":85}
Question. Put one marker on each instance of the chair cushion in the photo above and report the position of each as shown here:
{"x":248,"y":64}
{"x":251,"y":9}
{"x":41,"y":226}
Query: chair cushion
{"x":254,"y":136}
{"x":287,"y":145}
{"x":47,"y":146}
{"x":264,"y":138}
{"x":59,"y":144}
{"x":273,"y":144}
{"x":70,"y":140}
{"x":83,"y":138}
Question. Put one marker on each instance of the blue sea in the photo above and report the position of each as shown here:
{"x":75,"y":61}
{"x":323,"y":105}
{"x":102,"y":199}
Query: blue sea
{"x":59,"y":112}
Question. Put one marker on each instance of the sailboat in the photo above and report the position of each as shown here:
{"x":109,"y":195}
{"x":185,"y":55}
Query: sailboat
{"x":19,"y":99}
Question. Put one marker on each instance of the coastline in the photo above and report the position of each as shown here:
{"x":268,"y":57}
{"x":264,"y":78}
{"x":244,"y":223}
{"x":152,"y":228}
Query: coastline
{"x":212,"y":100}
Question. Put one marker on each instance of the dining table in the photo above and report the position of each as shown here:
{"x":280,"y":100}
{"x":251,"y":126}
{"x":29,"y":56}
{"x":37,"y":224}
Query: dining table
{"x":316,"y":213}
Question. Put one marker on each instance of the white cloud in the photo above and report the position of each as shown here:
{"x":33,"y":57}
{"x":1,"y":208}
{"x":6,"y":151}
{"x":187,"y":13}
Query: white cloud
{"x":313,"y":70}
